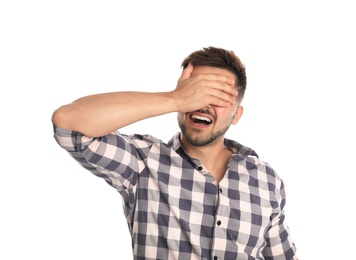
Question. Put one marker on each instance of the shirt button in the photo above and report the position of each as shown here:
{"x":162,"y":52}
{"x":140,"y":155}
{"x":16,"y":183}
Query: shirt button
{"x":215,"y":258}
{"x":220,"y":190}
{"x":199,"y":168}
{"x":219,"y":222}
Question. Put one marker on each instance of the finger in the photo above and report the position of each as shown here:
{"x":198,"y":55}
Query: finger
{"x":223,"y":96}
{"x":219,"y":77}
{"x":215,"y":101}
{"x":223,"y":87}
{"x":218,"y":81}
{"x":229,"y":89}
{"x":186,"y":72}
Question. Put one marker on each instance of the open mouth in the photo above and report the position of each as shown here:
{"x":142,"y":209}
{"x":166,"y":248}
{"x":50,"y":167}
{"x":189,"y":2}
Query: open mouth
{"x":200,"y":119}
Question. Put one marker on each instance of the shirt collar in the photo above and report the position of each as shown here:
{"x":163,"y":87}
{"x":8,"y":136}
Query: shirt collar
{"x":232,"y":145}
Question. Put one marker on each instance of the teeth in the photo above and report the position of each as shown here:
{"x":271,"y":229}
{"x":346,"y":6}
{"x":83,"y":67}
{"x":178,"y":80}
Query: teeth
{"x":201,"y":118}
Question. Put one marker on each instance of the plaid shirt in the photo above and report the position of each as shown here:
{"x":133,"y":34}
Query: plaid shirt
{"x":174,"y":207}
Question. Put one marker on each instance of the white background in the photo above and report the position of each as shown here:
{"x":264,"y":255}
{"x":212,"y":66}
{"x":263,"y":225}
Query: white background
{"x":299,"y":111}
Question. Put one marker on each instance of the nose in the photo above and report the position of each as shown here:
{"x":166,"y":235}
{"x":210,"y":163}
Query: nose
{"x":205,"y":109}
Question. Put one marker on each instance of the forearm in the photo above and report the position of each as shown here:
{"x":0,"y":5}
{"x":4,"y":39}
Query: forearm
{"x":101,"y":114}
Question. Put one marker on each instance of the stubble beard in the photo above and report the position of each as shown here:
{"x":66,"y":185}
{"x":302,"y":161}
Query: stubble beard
{"x":194,"y":137}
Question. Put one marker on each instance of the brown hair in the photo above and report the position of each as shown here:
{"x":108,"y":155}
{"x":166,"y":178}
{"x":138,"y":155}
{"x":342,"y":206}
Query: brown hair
{"x":223,"y":59}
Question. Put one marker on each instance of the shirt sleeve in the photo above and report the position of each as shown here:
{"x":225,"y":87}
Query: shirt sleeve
{"x":279,"y":244}
{"x":116,"y":158}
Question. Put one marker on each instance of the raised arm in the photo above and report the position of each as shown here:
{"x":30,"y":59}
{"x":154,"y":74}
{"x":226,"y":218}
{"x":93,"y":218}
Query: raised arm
{"x":100,"y":114}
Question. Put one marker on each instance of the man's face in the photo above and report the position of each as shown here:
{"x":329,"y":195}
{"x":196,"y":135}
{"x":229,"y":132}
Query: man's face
{"x":210,"y":123}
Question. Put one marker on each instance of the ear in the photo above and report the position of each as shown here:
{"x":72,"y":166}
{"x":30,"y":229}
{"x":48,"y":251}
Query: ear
{"x":238,"y":114}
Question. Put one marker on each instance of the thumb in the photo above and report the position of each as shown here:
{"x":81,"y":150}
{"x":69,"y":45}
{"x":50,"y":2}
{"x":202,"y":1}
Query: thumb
{"x":186,"y":72}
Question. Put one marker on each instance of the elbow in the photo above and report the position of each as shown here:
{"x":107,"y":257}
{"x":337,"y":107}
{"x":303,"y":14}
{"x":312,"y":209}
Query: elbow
{"x":60,"y":118}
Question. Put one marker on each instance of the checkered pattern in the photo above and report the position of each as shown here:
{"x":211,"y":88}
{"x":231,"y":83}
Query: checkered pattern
{"x":174,"y":207}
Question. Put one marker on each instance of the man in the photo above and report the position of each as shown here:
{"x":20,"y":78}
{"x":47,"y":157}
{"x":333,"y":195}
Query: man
{"x":199,"y":196}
